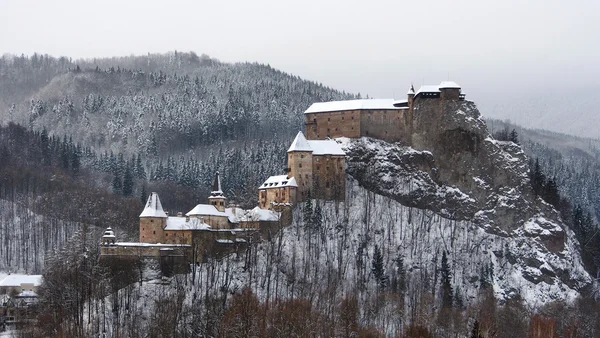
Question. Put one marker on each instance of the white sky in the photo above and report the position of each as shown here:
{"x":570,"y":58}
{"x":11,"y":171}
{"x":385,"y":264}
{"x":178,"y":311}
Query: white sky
{"x":495,"y":49}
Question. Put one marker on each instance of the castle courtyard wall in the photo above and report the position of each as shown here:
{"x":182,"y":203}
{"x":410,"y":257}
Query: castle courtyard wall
{"x":334,"y":124}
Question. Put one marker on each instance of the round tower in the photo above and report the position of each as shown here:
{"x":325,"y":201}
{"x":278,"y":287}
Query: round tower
{"x":109,"y":237}
{"x":153,"y":221}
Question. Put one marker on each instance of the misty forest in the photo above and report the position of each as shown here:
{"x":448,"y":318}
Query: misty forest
{"x":84,"y":143}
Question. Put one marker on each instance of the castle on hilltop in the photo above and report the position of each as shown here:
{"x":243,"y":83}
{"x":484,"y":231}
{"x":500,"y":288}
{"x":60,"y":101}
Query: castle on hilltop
{"x":386,"y":119}
{"x":316,"y":169}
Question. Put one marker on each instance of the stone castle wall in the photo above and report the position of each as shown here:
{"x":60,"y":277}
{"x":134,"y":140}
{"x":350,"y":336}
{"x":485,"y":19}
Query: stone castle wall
{"x":151,"y":229}
{"x":391,"y":125}
{"x":329,"y":177}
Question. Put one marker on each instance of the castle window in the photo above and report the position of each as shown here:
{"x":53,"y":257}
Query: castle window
{"x":342,"y":117}
{"x":301,"y":156}
{"x":154,"y":232}
{"x":299,"y":165}
{"x":353,"y":117}
{"x":152,"y":221}
{"x":328,"y":119}
{"x":335,"y":129}
{"x":318,"y":167}
{"x":315,"y":120}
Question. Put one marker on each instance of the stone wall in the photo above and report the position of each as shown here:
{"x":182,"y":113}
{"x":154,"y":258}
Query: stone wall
{"x":319,"y":126}
{"x":387,"y":125}
{"x":151,"y":229}
{"x":300,"y":164}
{"x":277,"y":195}
{"x":329,"y":177}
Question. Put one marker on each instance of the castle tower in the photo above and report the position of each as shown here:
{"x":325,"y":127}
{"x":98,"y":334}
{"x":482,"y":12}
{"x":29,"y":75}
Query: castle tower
{"x":300,"y":164}
{"x":153,"y":221}
{"x":411,"y":95}
{"x":109,"y":237}
{"x":217,"y":198}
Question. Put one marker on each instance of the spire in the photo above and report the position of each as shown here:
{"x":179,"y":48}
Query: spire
{"x":300,"y":143}
{"x":216,"y":186}
{"x":153,"y":207}
{"x":411,"y":90}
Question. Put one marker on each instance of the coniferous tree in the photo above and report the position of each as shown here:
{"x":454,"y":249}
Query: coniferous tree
{"x":445,"y":280}
{"x":377,"y":267}
{"x":127,"y":182}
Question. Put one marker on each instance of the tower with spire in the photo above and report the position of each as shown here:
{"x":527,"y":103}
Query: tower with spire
{"x":153,"y":221}
{"x":217,"y":198}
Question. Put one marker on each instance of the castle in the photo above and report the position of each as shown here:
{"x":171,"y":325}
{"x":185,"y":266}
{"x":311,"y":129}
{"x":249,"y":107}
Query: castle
{"x":316,"y":169}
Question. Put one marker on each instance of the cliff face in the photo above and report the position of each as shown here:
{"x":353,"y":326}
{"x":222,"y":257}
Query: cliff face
{"x":456,"y":169}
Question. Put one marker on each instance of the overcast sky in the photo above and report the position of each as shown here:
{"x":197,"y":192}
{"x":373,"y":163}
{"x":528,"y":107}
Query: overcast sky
{"x":501,"y":52}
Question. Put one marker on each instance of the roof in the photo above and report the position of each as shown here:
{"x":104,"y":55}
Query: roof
{"x":216,"y":187}
{"x":449,"y":84}
{"x":17,"y":280}
{"x":205,"y":210}
{"x":300,"y":143}
{"x":153,"y":207}
{"x":263,"y":215}
{"x":185,"y":223}
{"x":326,"y":147}
{"x":279,"y":181}
{"x":436,"y":88}
{"x":317,"y":147}
{"x":379,"y":104}
{"x":401,"y":103}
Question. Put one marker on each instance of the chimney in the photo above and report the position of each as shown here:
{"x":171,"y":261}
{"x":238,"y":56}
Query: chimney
{"x":180,"y":214}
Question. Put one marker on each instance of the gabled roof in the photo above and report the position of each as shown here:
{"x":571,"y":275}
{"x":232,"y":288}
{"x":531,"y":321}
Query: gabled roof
{"x":300,"y":143}
{"x":205,"y":210}
{"x":17,"y":280}
{"x":279,"y":181}
{"x":153,"y":207}
{"x":326,"y":147}
{"x":379,"y":104}
{"x":185,"y":223}
{"x":317,"y":147}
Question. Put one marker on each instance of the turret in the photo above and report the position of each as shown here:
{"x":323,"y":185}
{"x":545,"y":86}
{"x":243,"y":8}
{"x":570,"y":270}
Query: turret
{"x":300,"y":165}
{"x":109,"y":237}
{"x":411,"y":95}
{"x":217,"y":198}
{"x":153,"y":221}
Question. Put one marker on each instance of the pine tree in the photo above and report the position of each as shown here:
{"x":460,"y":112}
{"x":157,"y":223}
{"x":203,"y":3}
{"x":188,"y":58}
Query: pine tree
{"x":144,"y":195}
{"x":377,"y":267}
{"x":445,"y":280}
{"x":117,"y":184}
{"x":513,"y":136}
{"x":127,"y":182}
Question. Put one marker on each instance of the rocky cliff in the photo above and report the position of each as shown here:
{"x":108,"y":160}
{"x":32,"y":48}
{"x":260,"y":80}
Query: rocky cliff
{"x":456,"y":169}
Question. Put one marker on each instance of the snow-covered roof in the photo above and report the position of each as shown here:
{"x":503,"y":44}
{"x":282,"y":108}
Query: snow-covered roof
{"x":436,"y":88}
{"x":401,"y":103}
{"x":17,"y":280}
{"x":279,"y":181}
{"x":326,"y":147}
{"x":317,"y":147}
{"x":300,"y":143}
{"x":263,"y":215}
{"x":109,"y":233}
{"x":205,"y":210}
{"x":185,"y":223}
{"x":153,"y":207}
{"x":217,"y":191}
{"x":449,"y":84}
{"x":379,"y":104}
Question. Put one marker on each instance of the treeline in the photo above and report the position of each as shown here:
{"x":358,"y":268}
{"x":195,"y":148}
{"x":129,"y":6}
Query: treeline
{"x":577,"y":217}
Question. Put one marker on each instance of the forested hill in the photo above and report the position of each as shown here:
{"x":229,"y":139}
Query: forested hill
{"x":155,"y":104}
{"x":570,"y":162}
